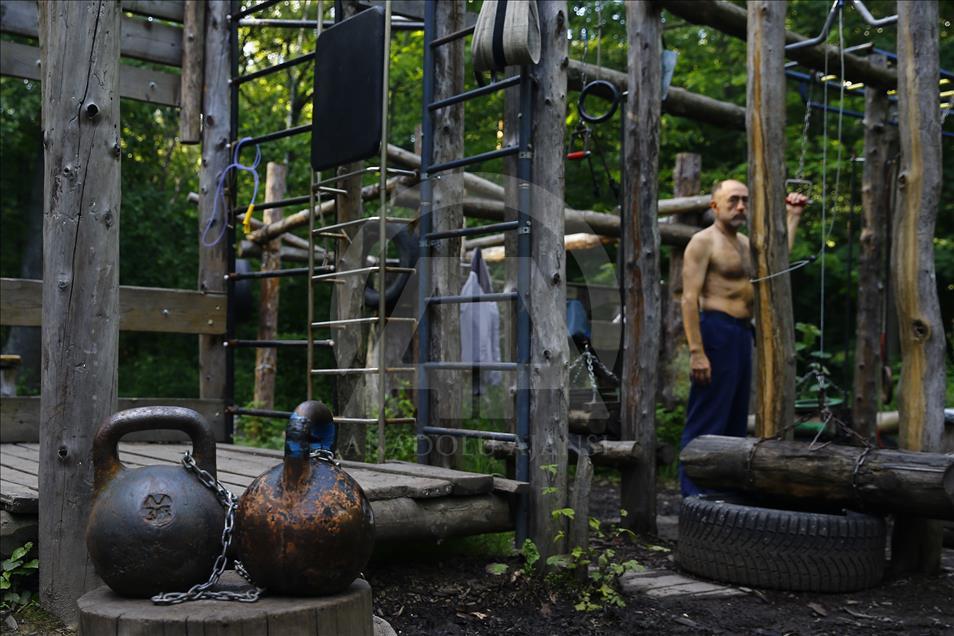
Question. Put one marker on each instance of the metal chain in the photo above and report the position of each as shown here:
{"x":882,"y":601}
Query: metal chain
{"x":201,"y":591}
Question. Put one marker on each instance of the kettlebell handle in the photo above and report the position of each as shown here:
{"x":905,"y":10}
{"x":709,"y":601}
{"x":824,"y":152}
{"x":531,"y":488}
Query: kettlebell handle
{"x":106,"y":464}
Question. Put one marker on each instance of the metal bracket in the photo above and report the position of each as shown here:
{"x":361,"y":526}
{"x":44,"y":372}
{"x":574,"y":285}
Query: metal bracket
{"x":524,"y":229}
{"x":526,"y":154}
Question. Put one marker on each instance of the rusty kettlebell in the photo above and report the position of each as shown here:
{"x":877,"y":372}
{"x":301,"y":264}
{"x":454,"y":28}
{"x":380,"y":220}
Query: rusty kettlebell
{"x":156,"y":528}
{"x":305,"y":527}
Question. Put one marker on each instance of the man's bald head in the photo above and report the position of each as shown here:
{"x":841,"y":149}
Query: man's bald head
{"x":725,"y":182}
{"x":730,"y":198}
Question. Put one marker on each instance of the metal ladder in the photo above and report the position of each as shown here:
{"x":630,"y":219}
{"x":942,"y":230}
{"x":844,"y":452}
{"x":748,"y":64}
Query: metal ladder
{"x":428,"y":238}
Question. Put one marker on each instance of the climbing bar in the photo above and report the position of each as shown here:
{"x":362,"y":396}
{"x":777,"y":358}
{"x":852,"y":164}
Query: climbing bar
{"x":450,"y":37}
{"x":271,"y":205}
{"x":475,"y":231}
{"x":467,"y":432}
{"x":365,"y":270}
{"x":361,"y":371}
{"x":278,"y":134}
{"x":271,"y":344}
{"x":261,"y":6}
{"x":482,"y":298}
{"x":338,"y":226}
{"x":359,"y":321}
{"x":400,"y":171}
{"x":397,"y":25}
{"x":467,"y":366}
{"x":277,"y":273}
{"x":278,"y":415}
{"x":369,"y":420}
{"x":466,"y":161}
{"x":241,"y":79}
{"x":493,"y":87}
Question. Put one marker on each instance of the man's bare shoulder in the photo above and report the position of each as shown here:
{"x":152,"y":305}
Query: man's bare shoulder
{"x":701,"y":241}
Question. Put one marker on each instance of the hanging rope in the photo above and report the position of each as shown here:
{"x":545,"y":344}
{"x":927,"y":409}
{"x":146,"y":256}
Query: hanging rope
{"x":220,"y":194}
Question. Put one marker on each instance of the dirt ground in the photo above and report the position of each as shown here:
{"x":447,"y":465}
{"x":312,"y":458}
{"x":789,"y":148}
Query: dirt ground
{"x":447,"y":590}
{"x":455,"y":595}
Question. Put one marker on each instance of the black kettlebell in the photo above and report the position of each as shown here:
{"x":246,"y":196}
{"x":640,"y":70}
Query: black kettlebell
{"x":156,"y":528}
{"x":305,"y":527}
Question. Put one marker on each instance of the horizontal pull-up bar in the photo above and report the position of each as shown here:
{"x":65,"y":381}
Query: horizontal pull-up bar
{"x":450,"y":37}
{"x":278,"y":273}
{"x":278,"y":134}
{"x":272,"y":344}
{"x":466,"y":432}
{"x":241,"y":79}
{"x":261,"y":6}
{"x":493,"y":87}
{"x":396,"y":25}
{"x":481,"y":298}
{"x":466,"y":161}
{"x":474,"y":231}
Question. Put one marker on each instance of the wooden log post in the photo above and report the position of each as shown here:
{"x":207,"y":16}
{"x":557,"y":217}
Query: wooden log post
{"x":266,"y":360}
{"x":916,"y":543}
{"x":214,"y":260}
{"x":875,"y":198}
{"x":446,"y":387}
{"x":774,"y":328}
{"x":549,"y":350}
{"x":687,"y":181}
{"x":191,"y":88}
{"x":889,"y":481}
{"x":80,"y":340}
{"x":642,"y":310}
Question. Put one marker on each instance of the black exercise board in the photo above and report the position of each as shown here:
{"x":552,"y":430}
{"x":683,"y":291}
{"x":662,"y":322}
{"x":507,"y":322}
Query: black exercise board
{"x":349,"y":77}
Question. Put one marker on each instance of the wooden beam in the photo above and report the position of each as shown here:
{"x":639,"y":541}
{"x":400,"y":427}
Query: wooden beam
{"x":731,"y":19}
{"x":20,"y":418}
{"x":140,"y":308}
{"x":642,"y":309}
{"x":81,"y":123}
{"x":193,"y":60}
{"x":214,"y":259}
{"x":775,"y":332}
{"x":549,"y":352}
{"x":889,"y":481}
{"x":678,"y":102}
{"x":173,"y":10}
{"x":142,"y":84}
{"x":435,"y":519}
{"x":875,"y":200}
{"x":916,"y":543}
{"x":142,"y":39}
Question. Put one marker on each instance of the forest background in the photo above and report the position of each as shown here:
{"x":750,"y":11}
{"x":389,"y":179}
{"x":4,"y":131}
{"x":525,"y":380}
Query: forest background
{"x":160,"y":229}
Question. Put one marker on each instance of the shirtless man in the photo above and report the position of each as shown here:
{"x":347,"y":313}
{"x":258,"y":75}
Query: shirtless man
{"x":716,"y":279}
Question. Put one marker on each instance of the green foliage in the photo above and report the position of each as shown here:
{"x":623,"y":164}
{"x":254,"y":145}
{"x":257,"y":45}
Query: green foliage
{"x":260,"y":432}
{"x":16,"y":566}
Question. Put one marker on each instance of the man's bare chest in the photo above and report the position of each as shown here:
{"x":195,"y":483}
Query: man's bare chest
{"x":730,"y":260}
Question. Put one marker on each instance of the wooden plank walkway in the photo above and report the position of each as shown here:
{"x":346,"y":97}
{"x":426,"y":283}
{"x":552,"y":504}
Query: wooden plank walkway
{"x":397,"y":490}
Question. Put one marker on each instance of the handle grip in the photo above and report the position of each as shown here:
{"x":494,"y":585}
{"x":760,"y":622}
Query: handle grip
{"x":106,"y":464}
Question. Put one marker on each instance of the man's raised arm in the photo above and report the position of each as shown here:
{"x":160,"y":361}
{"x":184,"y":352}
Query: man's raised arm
{"x":695,"y":264}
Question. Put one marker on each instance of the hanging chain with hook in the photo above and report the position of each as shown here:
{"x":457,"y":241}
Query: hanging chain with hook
{"x":201,"y":591}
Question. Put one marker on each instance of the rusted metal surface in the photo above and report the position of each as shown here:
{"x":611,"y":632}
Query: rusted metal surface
{"x":305,"y":527}
{"x":156,"y":528}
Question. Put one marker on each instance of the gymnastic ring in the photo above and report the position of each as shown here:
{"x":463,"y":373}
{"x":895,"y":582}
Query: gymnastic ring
{"x":589,"y":88}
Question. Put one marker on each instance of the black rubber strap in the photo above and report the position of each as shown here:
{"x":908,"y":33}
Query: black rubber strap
{"x":500,"y":61}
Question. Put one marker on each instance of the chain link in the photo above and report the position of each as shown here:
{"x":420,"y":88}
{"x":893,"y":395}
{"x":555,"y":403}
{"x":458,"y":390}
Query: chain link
{"x":201,"y":591}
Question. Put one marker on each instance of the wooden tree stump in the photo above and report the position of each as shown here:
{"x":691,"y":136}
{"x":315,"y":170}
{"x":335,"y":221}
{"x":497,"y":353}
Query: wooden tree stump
{"x":102,"y":611}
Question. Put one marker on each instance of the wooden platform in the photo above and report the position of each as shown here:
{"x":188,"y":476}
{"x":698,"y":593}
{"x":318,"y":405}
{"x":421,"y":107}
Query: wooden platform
{"x":410,"y":501}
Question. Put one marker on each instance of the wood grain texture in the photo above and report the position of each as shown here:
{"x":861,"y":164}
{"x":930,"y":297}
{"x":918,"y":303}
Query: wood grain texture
{"x":641,"y":294}
{"x":916,"y":543}
{"x":774,"y":327}
{"x":142,"y":84}
{"x":80,"y":341}
{"x":193,"y":62}
{"x":446,"y":388}
{"x":266,"y":360}
{"x":140,"y":308}
{"x":875,"y":201}
{"x":213,"y":260}
{"x":549,"y":352}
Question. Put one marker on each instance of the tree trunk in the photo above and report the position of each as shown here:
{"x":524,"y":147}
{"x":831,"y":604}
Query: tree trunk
{"x":686,"y":179}
{"x":446,"y":386}
{"x":875,"y":197}
{"x":917,"y":543}
{"x":81,"y":122}
{"x":548,"y":340}
{"x":642,"y":310}
{"x":887,"y":481}
{"x":775,"y":333}
{"x":266,"y":360}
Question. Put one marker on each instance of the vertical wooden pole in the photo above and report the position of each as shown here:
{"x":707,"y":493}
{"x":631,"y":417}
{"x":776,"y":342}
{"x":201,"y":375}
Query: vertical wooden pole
{"x":765,"y":123}
{"x":686,"y":180}
{"x":641,"y":294}
{"x":917,"y":542}
{"x":446,"y":279}
{"x":351,"y":341}
{"x":213,"y":260}
{"x":875,"y":197}
{"x":548,"y":341}
{"x":266,"y":360}
{"x":190,"y":85}
{"x":80,"y":340}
